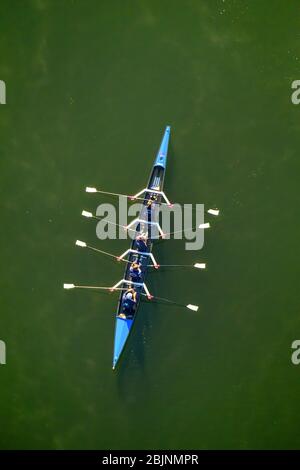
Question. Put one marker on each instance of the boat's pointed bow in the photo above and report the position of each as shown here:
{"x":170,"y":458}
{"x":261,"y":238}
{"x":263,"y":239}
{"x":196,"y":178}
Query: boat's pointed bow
{"x":161,"y":158}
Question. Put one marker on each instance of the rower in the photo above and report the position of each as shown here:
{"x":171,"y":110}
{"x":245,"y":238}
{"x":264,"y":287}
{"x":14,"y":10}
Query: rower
{"x":152,"y":200}
{"x":135,"y":271}
{"x":128,"y":304}
{"x":130,"y":294}
{"x":141,"y":242}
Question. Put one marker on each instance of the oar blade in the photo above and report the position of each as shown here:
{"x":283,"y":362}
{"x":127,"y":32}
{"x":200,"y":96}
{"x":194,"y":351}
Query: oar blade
{"x":200,"y":265}
{"x":213,"y":211}
{"x":206,"y":225}
{"x":193,"y":307}
{"x":69,"y":286}
{"x":86,"y":214}
{"x":90,"y":190}
{"x":80,"y":243}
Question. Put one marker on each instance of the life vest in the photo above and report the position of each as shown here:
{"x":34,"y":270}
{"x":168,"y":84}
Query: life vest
{"x":141,"y":245}
{"x":128,"y":305}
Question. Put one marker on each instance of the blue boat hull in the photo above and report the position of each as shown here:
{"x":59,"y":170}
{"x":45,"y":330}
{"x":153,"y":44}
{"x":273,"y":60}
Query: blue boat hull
{"x":123,"y":326}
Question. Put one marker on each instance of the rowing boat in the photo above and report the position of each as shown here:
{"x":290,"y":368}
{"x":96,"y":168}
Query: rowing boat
{"x":123,"y":326}
{"x":139,"y":252}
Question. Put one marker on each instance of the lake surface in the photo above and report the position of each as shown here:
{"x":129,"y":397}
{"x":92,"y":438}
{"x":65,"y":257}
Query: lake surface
{"x":90,"y":87}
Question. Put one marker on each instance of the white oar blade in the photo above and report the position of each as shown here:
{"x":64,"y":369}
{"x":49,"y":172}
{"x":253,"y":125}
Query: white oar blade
{"x":86,"y":214}
{"x":207,"y":225}
{"x":200,"y":265}
{"x":193,"y":307}
{"x":213,"y":211}
{"x":69,"y":286}
{"x":79,"y":243}
{"x":90,"y":190}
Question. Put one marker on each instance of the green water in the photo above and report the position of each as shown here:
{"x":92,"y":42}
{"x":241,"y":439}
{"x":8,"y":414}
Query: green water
{"x":90,"y":88}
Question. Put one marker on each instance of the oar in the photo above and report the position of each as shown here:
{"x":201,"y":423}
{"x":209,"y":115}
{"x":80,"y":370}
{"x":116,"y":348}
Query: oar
{"x":95,"y":190}
{"x":201,"y":226}
{"x":189,"y":306}
{"x":85,"y":245}
{"x":92,"y":216}
{"x":196,"y":265}
{"x":132,"y":198}
{"x":111,"y":289}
